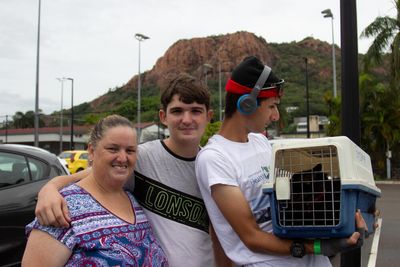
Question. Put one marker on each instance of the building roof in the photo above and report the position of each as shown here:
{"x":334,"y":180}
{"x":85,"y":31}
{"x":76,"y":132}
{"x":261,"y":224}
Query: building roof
{"x":66,"y":130}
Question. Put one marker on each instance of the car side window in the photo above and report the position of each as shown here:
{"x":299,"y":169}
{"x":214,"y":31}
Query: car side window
{"x":55,"y":171}
{"x":13,"y":169}
{"x":84,"y":156}
{"x":37,"y":169}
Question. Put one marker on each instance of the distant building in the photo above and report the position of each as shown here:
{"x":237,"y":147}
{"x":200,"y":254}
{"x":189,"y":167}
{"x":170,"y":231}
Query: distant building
{"x":49,"y":137}
{"x":291,"y":109}
{"x":317,"y":123}
{"x":151,"y":131}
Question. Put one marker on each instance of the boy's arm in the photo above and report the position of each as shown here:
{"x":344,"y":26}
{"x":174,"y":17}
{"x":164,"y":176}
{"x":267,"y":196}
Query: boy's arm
{"x":221,"y":260}
{"x":234,"y":207}
{"x":51,"y":208}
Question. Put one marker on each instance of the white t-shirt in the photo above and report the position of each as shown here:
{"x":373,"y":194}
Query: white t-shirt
{"x":245,"y":165}
{"x":183,"y":244}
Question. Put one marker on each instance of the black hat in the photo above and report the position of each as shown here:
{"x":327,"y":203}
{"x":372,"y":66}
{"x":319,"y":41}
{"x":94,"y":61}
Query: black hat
{"x":248,"y":72}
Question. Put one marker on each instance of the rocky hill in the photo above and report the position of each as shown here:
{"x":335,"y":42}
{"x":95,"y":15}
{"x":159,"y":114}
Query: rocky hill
{"x":204,"y":56}
{"x":191,"y":55}
{"x":224,"y":51}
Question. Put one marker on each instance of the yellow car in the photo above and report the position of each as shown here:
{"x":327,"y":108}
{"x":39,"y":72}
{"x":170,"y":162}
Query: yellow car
{"x":77,"y":160}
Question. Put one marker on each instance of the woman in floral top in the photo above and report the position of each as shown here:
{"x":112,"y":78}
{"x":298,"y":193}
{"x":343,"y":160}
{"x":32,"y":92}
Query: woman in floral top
{"x":108,"y":227}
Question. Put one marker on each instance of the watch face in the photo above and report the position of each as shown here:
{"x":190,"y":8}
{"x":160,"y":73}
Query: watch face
{"x":297,"y":250}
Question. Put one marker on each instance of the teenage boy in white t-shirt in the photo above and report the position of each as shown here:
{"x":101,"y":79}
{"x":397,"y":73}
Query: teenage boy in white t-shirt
{"x":232,"y":168}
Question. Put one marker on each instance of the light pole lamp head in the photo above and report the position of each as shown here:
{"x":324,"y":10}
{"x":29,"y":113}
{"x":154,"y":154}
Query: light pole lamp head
{"x":327,"y":13}
{"x":141,"y":37}
{"x":207,"y":67}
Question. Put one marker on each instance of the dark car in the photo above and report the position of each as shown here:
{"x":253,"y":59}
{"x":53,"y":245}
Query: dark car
{"x":23,"y":171}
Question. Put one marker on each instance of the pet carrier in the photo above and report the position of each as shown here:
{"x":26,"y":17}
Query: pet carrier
{"x":317,"y":186}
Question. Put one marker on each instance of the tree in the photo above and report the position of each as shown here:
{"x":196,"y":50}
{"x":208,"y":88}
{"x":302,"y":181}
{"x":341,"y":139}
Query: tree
{"x":380,"y":108}
{"x":380,"y":104}
{"x":211,"y":129}
{"x":26,"y":120}
{"x":334,"y":127}
{"x":386,"y":31}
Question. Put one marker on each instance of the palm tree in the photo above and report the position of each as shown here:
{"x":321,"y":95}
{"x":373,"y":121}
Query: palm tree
{"x":380,"y":108}
{"x":386,"y":31}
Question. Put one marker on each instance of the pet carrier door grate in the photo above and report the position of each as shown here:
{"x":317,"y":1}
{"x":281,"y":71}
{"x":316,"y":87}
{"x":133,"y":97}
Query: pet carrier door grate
{"x":314,"y":187}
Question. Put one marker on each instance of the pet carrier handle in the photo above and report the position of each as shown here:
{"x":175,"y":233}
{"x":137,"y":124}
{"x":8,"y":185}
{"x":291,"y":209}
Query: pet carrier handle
{"x":282,"y":184}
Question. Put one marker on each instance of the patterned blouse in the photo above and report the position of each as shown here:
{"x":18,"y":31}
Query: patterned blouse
{"x":97,"y":237}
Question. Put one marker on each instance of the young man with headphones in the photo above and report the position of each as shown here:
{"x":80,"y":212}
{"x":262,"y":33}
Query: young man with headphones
{"x":234,"y":165}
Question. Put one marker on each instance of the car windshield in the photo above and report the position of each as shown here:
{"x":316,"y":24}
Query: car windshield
{"x":65,"y":155}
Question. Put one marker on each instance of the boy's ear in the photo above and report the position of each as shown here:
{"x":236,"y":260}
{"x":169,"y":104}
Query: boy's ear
{"x":210,"y":114}
{"x":162,"y":114}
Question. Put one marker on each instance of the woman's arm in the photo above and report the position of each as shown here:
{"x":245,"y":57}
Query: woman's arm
{"x":43,"y":250}
{"x":51,"y":208}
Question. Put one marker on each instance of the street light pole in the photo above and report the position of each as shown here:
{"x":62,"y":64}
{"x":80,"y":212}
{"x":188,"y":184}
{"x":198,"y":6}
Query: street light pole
{"x":36,"y":121}
{"x":61,"y":80}
{"x":219,"y":90}
{"x":328,"y":14}
{"x":307,"y":99}
{"x":140,"y":37}
{"x":72,"y":113}
{"x":6,"y":129}
{"x":206,"y":67}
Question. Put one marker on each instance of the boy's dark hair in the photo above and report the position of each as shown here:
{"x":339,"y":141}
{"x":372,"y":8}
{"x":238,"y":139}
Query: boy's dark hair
{"x":188,"y":88}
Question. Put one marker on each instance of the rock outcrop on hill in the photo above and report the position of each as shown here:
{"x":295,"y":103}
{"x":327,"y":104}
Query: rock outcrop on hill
{"x":220,"y":54}
{"x":199,"y":56}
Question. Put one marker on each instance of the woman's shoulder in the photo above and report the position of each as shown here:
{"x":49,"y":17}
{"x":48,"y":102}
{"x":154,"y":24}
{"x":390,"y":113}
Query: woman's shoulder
{"x":72,"y":191}
{"x":78,"y":199}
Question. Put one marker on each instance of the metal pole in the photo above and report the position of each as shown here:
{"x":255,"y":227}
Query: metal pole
{"x":388,"y":163}
{"x":307,"y":100}
{"x":350,"y":107}
{"x":334,"y":62}
{"x":72,"y":113}
{"x":219,"y":88}
{"x":61,"y":113}
{"x":139,"y":99}
{"x":6,"y":129}
{"x":328,"y":14}
{"x":140,"y":37}
{"x":36,"y":121}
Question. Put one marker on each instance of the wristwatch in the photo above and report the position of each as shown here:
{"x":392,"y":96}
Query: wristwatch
{"x":297,"y":249}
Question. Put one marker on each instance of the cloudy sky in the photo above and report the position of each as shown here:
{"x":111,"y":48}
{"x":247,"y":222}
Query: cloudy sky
{"x":92,"y":41}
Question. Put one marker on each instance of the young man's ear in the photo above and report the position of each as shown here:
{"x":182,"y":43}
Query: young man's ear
{"x":210,"y":114}
{"x":162,"y":114}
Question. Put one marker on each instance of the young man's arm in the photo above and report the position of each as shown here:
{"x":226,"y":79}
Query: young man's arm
{"x":234,"y":207}
{"x":221,"y":260}
{"x":51,"y":208}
